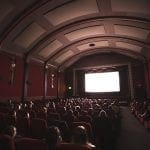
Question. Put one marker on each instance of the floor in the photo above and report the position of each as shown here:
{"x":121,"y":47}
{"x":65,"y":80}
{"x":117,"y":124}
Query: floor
{"x":133,"y":136}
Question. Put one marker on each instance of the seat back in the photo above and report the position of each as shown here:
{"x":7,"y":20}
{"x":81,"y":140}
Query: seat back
{"x":6,"y":143}
{"x":23,"y":126}
{"x":38,"y":128}
{"x":30,"y":144}
{"x":70,"y":146}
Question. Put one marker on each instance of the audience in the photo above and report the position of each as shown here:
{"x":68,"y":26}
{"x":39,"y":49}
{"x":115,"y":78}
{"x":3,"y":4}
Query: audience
{"x":98,"y":112}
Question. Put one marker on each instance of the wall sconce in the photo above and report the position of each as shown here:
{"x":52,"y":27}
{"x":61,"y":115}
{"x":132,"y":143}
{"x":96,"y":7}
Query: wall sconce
{"x":52,"y":80}
{"x":46,"y":67}
{"x":12,"y":71}
{"x":69,"y":88}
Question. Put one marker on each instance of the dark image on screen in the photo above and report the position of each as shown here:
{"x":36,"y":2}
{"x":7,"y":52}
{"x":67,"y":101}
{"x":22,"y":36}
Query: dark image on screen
{"x":102,"y":82}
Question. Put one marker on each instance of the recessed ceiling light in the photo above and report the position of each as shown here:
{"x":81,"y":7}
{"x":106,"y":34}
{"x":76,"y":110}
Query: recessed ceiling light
{"x":91,"y":44}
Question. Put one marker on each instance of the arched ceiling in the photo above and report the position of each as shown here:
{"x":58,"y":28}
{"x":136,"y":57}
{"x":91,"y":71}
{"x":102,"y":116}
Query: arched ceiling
{"x":59,"y":32}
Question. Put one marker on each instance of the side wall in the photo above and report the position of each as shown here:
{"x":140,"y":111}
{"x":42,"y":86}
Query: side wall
{"x":35,"y":82}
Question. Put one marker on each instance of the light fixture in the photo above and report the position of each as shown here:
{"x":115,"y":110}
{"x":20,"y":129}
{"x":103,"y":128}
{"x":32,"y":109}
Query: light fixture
{"x":69,"y":87}
{"x":12,"y":71}
{"x":91,"y":44}
{"x":52,"y":80}
{"x":46,"y":66}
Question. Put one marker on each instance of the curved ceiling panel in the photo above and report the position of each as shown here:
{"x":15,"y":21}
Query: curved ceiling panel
{"x":71,"y":10}
{"x":59,"y":30}
{"x":6,"y":6}
{"x":134,"y":6}
{"x":129,"y":46}
{"x":49,"y":49}
{"x":131,"y":31}
{"x":29,"y":35}
{"x":64,"y":57}
{"x":85,"y":32}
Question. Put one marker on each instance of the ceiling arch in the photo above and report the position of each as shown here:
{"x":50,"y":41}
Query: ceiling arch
{"x":61,"y":31}
{"x":104,"y":50}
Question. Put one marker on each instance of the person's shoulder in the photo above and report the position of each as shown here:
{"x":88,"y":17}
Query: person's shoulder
{"x":92,"y":146}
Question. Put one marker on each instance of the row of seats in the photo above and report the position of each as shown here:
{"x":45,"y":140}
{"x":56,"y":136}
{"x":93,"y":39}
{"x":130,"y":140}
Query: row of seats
{"x":36,"y":127}
{"x":37,"y":144}
{"x":141,"y":110}
{"x":99,"y":117}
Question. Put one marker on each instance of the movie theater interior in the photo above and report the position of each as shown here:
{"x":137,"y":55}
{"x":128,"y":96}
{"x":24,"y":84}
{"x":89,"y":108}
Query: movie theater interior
{"x":74,"y":74}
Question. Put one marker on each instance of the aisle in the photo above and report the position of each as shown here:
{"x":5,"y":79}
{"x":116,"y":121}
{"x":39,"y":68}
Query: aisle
{"x":133,"y":136}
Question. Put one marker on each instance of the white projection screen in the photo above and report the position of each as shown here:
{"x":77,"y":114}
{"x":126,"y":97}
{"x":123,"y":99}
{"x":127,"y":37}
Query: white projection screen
{"x":102,"y":82}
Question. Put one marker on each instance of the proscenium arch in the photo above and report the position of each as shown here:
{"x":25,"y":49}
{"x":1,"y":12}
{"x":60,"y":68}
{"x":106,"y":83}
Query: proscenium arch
{"x":98,"y":38}
{"x":101,"y":50}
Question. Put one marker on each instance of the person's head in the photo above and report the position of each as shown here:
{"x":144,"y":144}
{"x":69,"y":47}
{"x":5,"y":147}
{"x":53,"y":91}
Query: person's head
{"x":103,"y":114}
{"x":11,"y":131}
{"x":80,"y":135}
{"x":53,"y":136}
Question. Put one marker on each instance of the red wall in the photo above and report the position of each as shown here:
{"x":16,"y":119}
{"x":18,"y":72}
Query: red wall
{"x":35,"y":80}
{"x":35,"y":86}
{"x":7,"y":89}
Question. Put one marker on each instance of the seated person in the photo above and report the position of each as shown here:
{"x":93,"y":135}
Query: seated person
{"x":7,"y":138}
{"x":53,"y":137}
{"x":11,"y":131}
{"x":80,"y":137}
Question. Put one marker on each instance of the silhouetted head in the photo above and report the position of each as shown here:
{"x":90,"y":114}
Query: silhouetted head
{"x":103,"y":114}
{"x":11,"y":131}
{"x":53,"y":136}
{"x":80,"y":135}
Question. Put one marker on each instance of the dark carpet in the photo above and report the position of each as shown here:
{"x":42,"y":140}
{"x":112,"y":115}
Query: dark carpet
{"x":133,"y":136}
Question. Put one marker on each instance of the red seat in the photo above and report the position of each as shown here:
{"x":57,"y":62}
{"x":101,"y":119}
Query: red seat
{"x":41,"y":115}
{"x":2,"y":121}
{"x":11,"y":120}
{"x":23,"y":126}
{"x":86,"y":118}
{"x":53,"y":116}
{"x":6,"y":143}
{"x":30,"y":144}
{"x":69,"y":146}
{"x":38,"y":128}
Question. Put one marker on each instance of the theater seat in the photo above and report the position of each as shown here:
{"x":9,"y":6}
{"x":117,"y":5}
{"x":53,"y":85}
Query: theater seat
{"x":30,"y":144}
{"x":6,"y":143}
{"x":38,"y":128}
{"x":23,"y":126}
{"x":70,"y":146}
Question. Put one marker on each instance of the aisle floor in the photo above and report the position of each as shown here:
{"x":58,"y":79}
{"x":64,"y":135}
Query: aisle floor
{"x":133,"y":136}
